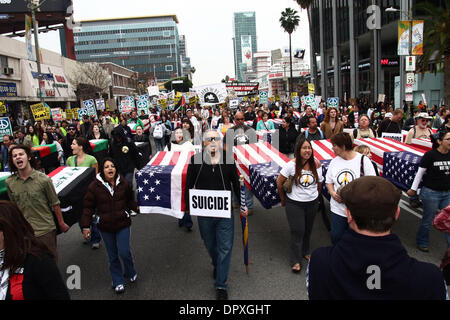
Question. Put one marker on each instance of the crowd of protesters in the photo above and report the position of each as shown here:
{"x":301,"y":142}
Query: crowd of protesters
{"x":111,"y":198}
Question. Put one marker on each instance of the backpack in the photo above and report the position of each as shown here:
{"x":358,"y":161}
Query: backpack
{"x":158,"y":133}
{"x":307,"y":133}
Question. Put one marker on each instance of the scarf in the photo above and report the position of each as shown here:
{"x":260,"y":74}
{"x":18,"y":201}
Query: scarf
{"x":4,"y":277}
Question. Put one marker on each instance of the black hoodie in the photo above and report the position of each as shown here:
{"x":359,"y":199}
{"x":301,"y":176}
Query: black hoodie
{"x":124,"y":152}
{"x":347,"y":270}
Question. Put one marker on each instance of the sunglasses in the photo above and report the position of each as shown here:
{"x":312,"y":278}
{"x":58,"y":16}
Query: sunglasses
{"x":72,"y":129}
{"x":239,"y":119}
{"x":209,"y":139}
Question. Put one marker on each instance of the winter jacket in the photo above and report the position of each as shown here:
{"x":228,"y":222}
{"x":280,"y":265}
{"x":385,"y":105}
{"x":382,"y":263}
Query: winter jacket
{"x":111,"y":208}
{"x":124,"y":152}
{"x":287,"y":139}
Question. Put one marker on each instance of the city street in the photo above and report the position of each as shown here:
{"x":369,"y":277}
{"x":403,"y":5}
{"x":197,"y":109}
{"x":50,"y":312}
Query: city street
{"x":173,"y":264}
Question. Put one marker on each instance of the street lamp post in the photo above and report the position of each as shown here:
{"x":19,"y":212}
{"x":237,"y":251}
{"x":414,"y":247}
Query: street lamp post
{"x":34,"y":6}
{"x":402,"y":61}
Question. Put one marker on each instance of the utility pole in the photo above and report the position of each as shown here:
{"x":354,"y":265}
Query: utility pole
{"x":34,"y":6}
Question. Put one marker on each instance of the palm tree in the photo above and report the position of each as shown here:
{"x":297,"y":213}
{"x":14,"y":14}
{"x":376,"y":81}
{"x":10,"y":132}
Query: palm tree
{"x":289,"y":21}
{"x":305,"y":5}
{"x":437,"y":40}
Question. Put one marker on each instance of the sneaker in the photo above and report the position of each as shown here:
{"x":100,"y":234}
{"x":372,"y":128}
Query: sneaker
{"x":221,"y":294}
{"x":134,"y":278}
{"x":423,"y":248}
{"x":95,"y":246}
{"x":119,"y":289}
{"x":133,"y":213}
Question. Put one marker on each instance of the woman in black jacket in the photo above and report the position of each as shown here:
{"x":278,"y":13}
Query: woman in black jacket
{"x":111,"y":195}
{"x":28,"y":270}
{"x":288,"y":135}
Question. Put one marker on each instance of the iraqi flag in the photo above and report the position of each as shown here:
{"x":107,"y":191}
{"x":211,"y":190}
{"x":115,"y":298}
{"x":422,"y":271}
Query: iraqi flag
{"x":71,"y":184}
{"x":161,"y":184}
{"x":147,"y":124}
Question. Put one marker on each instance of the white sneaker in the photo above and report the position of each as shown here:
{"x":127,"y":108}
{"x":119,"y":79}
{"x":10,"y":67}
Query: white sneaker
{"x":95,"y":246}
{"x":134,"y":278}
{"x":119,"y":289}
{"x":133,"y":213}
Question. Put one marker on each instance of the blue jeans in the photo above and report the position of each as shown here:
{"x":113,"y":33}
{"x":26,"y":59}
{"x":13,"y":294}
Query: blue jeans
{"x":339,"y":225}
{"x":159,"y":144}
{"x":118,"y":245}
{"x":218,"y":234}
{"x":248,"y":198}
{"x":433,"y":201}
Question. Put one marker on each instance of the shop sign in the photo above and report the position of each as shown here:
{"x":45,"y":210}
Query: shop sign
{"x":8,"y":89}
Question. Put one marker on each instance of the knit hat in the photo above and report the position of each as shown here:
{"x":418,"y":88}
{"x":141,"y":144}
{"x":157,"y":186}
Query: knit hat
{"x":371,"y":196}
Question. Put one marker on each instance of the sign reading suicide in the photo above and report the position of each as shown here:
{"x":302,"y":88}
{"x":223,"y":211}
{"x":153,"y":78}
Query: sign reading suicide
{"x":210,"y":203}
{"x":212,"y":94}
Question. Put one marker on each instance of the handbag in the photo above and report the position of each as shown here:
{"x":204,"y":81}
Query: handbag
{"x":287,"y":185}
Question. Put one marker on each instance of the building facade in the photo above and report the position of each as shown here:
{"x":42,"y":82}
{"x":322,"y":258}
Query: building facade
{"x":244,"y":44}
{"x":355,"y":61}
{"x":147,"y":45}
{"x":19,"y":84}
{"x":185,"y":60}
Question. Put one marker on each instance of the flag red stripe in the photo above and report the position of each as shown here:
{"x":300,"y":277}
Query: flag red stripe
{"x":399,"y":145}
{"x":183,"y":181}
{"x":55,"y":172}
{"x":260,"y":152}
{"x":277,"y":152}
{"x":174,"y":160}
{"x":370,"y":143}
{"x":324,"y":148}
{"x":246,"y":154}
{"x":159,"y":158}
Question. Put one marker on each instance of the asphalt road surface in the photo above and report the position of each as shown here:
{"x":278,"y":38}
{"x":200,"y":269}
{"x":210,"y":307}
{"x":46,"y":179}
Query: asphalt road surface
{"x":173,"y":264}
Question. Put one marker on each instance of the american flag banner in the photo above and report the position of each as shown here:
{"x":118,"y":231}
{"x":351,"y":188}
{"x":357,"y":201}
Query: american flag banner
{"x":277,"y":122}
{"x":297,"y":115}
{"x":161,"y":184}
{"x":244,"y":223}
{"x":175,"y":124}
{"x":424,"y":144}
{"x":265,"y":135}
{"x":400,"y":168}
{"x":259,"y":164}
{"x":378,"y":146}
{"x":323,"y":150}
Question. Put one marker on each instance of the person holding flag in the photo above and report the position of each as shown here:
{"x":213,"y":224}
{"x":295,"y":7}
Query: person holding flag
{"x":208,"y":171}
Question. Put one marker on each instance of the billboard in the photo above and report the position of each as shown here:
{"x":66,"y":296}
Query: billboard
{"x":15,"y":6}
{"x":246,"y":48}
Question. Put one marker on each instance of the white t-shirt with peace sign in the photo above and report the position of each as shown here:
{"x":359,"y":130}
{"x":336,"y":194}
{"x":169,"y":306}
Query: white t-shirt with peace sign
{"x":341,"y":172}
{"x":307,"y":189}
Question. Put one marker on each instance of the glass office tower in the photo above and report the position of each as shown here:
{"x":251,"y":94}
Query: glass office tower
{"x":244,"y":42}
{"x":148,"y":45}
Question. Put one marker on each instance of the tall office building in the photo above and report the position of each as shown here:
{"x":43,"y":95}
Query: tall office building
{"x":185,"y":60}
{"x":149,"y":45}
{"x":244,"y":43}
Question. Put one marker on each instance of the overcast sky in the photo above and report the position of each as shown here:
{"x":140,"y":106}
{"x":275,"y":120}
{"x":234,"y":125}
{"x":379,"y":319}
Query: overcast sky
{"x":207,"y":26}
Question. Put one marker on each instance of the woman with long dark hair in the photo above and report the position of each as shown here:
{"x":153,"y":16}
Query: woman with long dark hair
{"x":110,"y":197}
{"x":301,"y":199}
{"x":28,"y":270}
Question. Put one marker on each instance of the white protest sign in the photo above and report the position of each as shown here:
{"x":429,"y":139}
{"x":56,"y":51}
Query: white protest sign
{"x":393,"y":136}
{"x":143,"y":103}
{"x":153,"y":91}
{"x":210,"y":203}
{"x":56,"y":114}
{"x":424,"y":99}
{"x":234,"y":103}
{"x":212,"y":94}
{"x":90,"y":107}
{"x":381,"y":97}
{"x":333,"y":102}
{"x":100,"y":104}
{"x":311,"y":101}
